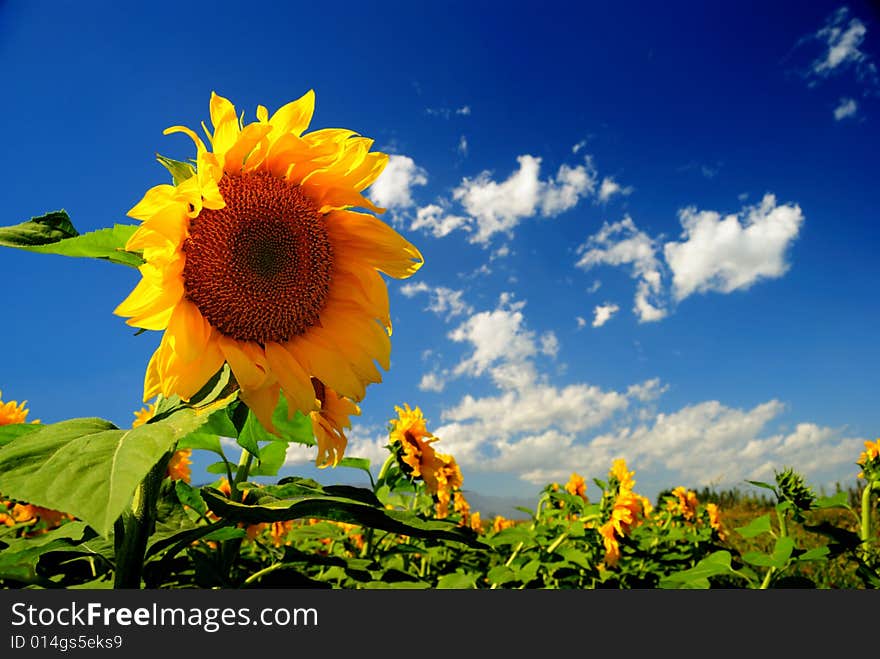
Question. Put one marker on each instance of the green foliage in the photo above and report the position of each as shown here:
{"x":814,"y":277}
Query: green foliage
{"x":54,"y":233}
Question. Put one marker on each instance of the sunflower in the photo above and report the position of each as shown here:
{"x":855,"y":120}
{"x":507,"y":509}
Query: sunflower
{"x":412,"y":442}
{"x":259,"y":260}
{"x":12,"y":412}
{"x":577,"y":486}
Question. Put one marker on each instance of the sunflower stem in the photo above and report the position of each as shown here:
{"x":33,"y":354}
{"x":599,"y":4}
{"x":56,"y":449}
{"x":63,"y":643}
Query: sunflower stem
{"x":134,"y":527}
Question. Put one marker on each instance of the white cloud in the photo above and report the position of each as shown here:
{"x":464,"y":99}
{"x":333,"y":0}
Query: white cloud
{"x":498,"y":207}
{"x":445,"y":302}
{"x":463,"y":145}
{"x":733,"y":252}
{"x":846,"y":108}
{"x":842,"y":42}
{"x":496,"y":336}
{"x":437,"y":221}
{"x":602,"y":313}
{"x":549,"y":344}
{"x":446,"y":113}
{"x":622,"y":243}
{"x":432,"y":382}
{"x":581,"y":322}
{"x":610,"y":187}
{"x":577,"y":147}
{"x":393,"y":188}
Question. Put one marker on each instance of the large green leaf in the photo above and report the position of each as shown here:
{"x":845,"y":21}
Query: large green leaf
{"x":715,"y":564}
{"x":14,"y":430}
{"x":19,"y":560}
{"x":88,"y":467}
{"x":54,"y":233}
{"x":337,"y":508}
{"x":777,"y":559}
{"x":756,"y":527}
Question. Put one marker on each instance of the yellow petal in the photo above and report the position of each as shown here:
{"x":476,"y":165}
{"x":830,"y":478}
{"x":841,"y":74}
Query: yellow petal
{"x":327,"y":364}
{"x":153,"y":201}
{"x":188,"y":331}
{"x":365,"y":238}
{"x":247,"y":361}
{"x":186,"y":378}
{"x":294,"y":117}
{"x":226,"y":127}
{"x":262,"y":402}
{"x":296,"y":384}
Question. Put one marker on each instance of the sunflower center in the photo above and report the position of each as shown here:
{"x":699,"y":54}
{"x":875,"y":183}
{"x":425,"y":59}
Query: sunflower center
{"x":259,"y":269}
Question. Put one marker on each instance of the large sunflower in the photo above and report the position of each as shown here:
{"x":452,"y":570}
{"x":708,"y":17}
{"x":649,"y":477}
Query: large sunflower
{"x":260,"y":261}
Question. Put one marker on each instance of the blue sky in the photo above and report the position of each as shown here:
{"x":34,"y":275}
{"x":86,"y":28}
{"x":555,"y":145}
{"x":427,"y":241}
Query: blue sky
{"x":649,"y":230}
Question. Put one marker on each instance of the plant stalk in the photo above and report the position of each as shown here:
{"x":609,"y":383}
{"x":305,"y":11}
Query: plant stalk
{"x":133,"y":528}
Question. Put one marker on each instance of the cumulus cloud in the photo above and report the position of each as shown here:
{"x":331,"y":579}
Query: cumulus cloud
{"x":623,"y":244}
{"x":846,"y":108}
{"x":445,"y":302}
{"x":610,"y":187}
{"x":498,"y":207}
{"x":602,"y":313}
{"x":733,"y":252}
{"x":437,"y":221}
{"x":393,"y":188}
{"x":497,"y":336}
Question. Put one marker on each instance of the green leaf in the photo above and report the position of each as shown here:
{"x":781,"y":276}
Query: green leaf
{"x":756,"y":527}
{"x":43,"y":230}
{"x":814,"y":554}
{"x":19,"y":561}
{"x":500,"y":575}
{"x":14,"y":430}
{"x":340,"y":509}
{"x":781,"y":553}
{"x":271,"y":459}
{"x":180,"y":171}
{"x":714,"y":564}
{"x":88,"y":467}
{"x":457,"y":581}
{"x":297,"y":428}
{"x":53,"y":233}
{"x":839,"y":500}
{"x":766,"y":486}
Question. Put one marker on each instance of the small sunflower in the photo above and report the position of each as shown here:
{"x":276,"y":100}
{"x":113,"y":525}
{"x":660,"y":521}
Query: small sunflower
{"x":259,"y":260}
{"x":412,"y":442}
{"x":577,"y":486}
{"x":12,"y":412}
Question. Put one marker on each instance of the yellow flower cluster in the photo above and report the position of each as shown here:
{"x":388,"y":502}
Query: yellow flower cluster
{"x":577,"y":486}
{"x":869,"y":460}
{"x":627,"y":511}
{"x":683,"y":502}
{"x":412,"y":442}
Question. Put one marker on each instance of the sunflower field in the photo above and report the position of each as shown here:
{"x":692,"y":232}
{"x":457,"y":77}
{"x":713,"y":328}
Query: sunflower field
{"x":262,"y":266}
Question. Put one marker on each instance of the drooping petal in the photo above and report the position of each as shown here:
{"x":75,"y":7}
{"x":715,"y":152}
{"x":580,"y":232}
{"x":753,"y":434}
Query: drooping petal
{"x":363,"y":237}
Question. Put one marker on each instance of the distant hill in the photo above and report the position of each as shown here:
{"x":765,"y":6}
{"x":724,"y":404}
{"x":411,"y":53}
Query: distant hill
{"x":490,"y":505}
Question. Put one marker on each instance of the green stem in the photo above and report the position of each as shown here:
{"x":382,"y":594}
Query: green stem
{"x":865,"y":530}
{"x":783,"y":532}
{"x":230,"y":548}
{"x":133,"y":528}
